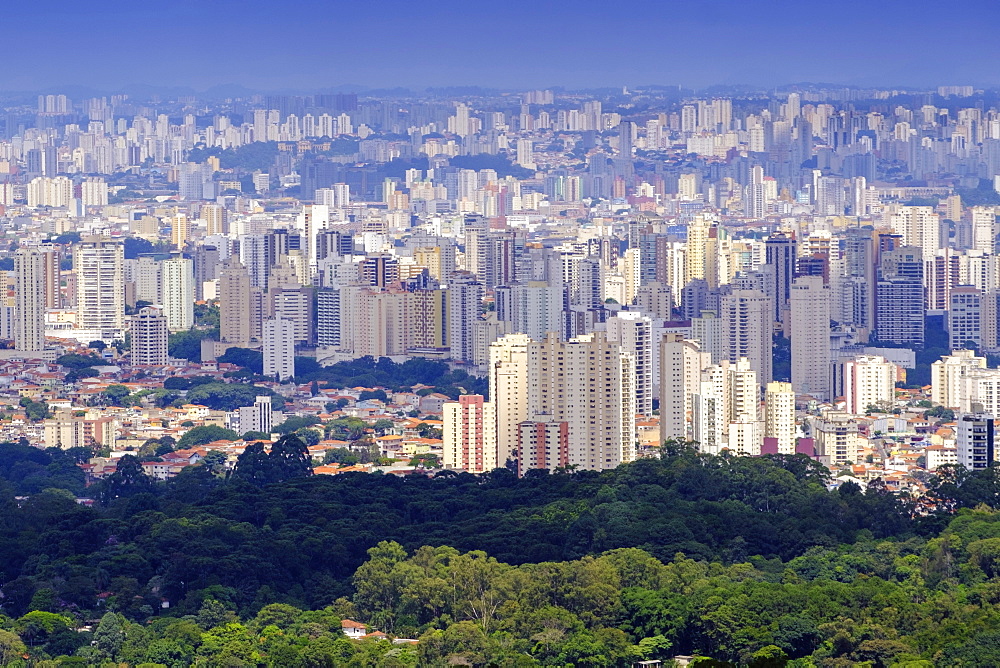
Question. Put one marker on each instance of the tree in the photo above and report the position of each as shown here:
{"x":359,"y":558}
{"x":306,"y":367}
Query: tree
{"x":109,"y":635}
{"x":295,"y":422}
{"x":11,"y":648}
{"x":215,"y":462}
{"x":252,"y":360}
{"x":36,"y":411}
{"x":206,"y":434}
{"x":310,"y":436}
{"x":115,"y":395}
{"x":341,"y":456}
{"x":128,"y":480}
{"x":253,"y":465}
{"x":290,"y":458}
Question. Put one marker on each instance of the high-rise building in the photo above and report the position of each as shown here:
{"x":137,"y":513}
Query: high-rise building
{"x":149,"y":337}
{"x":984,"y":228}
{"x":279,"y":348}
{"x":899,"y":297}
{"x":947,"y":376}
{"x":965,"y":317}
{"x":589,"y":383}
{"x":259,"y":417}
{"x":633,"y":331}
{"x":756,"y":202}
{"x":465,"y":293}
{"x":779,"y":416}
{"x":470,"y":434}
{"x":976,"y":440}
{"x":508,"y":380}
{"x":780,"y":257}
{"x":177,"y":292}
{"x":98,"y":265}
{"x":810,"y":334}
{"x":836,"y":438}
{"x":180,"y":230}
{"x":235,"y":303}
{"x":534,"y":308}
{"x":920,"y":227}
{"x":746,"y":315}
{"x":681,"y":363}
{"x":29,"y":299}
{"x":216,"y":220}
{"x":867,"y":380}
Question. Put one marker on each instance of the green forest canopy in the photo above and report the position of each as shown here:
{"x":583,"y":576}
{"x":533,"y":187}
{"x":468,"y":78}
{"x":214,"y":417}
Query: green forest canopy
{"x":774,"y":566}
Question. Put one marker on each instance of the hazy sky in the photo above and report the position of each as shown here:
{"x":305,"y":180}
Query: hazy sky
{"x":308,"y":44}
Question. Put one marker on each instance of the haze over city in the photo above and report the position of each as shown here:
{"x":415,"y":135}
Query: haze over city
{"x":311,"y":44}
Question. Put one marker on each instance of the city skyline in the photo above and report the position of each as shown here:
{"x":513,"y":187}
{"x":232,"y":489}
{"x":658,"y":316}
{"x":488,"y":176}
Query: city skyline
{"x":317,"y":45}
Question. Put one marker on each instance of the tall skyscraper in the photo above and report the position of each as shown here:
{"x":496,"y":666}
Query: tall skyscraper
{"x":681,"y":363}
{"x":746,"y":315}
{"x":98,"y":264}
{"x":508,"y":373}
{"x":965,"y":317}
{"x":29,"y":298}
{"x":279,"y":348}
{"x":899,"y":297}
{"x":216,"y":221}
{"x":235,"y":307}
{"x":149,"y":337}
{"x":634,"y":333}
{"x":465,"y":293}
{"x":177,"y":292}
{"x":780,"y":252}
{"x":920,"y":227}
{"x":866,"y":380}
{"x":810,"y":334}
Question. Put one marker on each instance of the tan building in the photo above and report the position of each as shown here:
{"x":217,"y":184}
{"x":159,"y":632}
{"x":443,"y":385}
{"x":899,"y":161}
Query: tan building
{"x":470,"y":434}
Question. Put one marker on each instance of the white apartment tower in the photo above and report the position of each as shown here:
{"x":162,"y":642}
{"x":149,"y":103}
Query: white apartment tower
{"x":99,"y":265}
{"x":634,"y":333}
{"x":868,"y":380}
{"x":976,"y":440}
{"x":177,"y":293}
{"x":279,"y":348}
{"x":681,"y":363}
{"x":947,"y":376}
{"x":589,"y":383}
{"x":508,"y":380}
{"x":747,"y":316}
{"x":149,"y":337}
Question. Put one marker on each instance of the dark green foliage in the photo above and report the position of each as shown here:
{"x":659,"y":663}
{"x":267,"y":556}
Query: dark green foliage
{"x":206,"y":434}
{"x":252,"y":360}
{"x":128,"y":480}
{"x":745,"y":560}
{"x":368,"y":372}
{"x":287,"y":460}
{"x":294,"y":423}
{"x":187,"y":345}
{"x":226,"y":396}
{"x":74,"y":361}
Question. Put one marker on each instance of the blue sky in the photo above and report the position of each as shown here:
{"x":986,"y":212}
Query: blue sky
{"x":310,"y":44}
